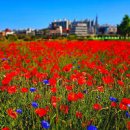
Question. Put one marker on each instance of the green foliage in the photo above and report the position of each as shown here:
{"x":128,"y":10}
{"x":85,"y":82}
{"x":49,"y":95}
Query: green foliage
{"x":12,"y":38}
{"x":124,"y":27}
{"x":72,"y":37}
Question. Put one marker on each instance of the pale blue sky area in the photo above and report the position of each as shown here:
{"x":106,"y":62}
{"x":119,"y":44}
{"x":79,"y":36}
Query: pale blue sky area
{"x":19,"y":14}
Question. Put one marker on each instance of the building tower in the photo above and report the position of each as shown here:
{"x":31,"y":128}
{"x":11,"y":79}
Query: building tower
{"x":96,"y":25}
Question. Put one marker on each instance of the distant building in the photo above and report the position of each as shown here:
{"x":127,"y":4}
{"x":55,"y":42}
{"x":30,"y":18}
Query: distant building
{"x":64,"y":24}
{"x":56,"y":32}
{"x":2,"y":34}
{"x":8,"y":32}
{"x":39,"y":32}
{"x":18,"y":32}
{"x":79,"y":29}
{"x":92,"y":26}
{"x":30,"y":31}
{"x":42,"y":32}
{"x":107,"y":29}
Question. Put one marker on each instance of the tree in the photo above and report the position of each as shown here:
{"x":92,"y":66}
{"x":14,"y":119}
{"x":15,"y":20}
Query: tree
{"x":12,"y":38}
{"x":124,"y":28}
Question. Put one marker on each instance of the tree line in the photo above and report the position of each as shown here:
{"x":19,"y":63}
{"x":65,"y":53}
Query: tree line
{"x":123,"y":28}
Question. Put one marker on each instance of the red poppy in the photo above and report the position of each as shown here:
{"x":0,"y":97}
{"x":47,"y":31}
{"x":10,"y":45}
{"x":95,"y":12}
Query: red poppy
{"x":125,"y":101}
{"x":54,"y":100}
{"x":37,"y":96}
{"x":100,"y":88}
{"x":68,"y":88}
{"x":89,"y":83}
{"x":5,"y":128}
{"x":11,"y":113}
{"x":41,"y":112}
{"x":53,"y":89}
{"x":121,"y":83}
{"x":24,"y":90}
{"x":67,"y":68}
{"x":12,"y":89}
{"x":128,"y":125}
{"x":113,"y":104}
{"x":108,"y":79}
{"x":97,"y":106}
{"x":64,"y":109}
{"x":123,"y":107}
{"x":72,"y":96}
{"x":81,"y":80}
{"x":79,"y":114}
{"x":6,"y":80}
{"x":3,"y":88}
{"x":53,"y":81}
{"x":80,"y":95}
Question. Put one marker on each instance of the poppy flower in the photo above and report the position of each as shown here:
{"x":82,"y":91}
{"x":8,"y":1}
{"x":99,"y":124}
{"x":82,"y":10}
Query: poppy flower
{"x":123,"y":107}
{"x":100,"y":88}
{"x":37,"y":96}
{"x":64,"y":109}
{"x":113,"y":104}
{"x":5,"y":128}
{"x":97,"y":106}
{"x":128,"y":125}
{"x":53,"y":81}
{"x":6,"y":80}
{"x":72,"y":96}
{"x":53,"y":89}
{"x":45,"y":124}
{"x":24,"y":90}
{"x":125,"y":101}
{"x":67,"y":68}
{"x":80,"y":95}
{"x":11,"y":113}
{"x":54,"y":100}
{"x":41,"y":112}
{"x":68,"y":88}
{"x":89,"y":83}
{"x":121,"y":83}
{"x":79,"y":114}
{"x":81,"y":80}
{"x":12,"y":89}
{"x":108,"y":79}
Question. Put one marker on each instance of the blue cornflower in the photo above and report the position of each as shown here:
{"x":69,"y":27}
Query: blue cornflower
{"x":78,"y":67}
{"x":113,"y":99}
{"x":46,"y":81}
{"x":85,"y":91}
{"x":33,"y":89}
{"x":4,"y":59}
{"x":34,"y":104}
{"x":128,"y":105}
{"x":92,"y":127}
{"x":127,"y":114}
{"x":19,"y":111}
{"x":45,"y":124}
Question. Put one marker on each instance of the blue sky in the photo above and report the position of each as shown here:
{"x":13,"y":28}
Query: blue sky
{"x":19,"y":14}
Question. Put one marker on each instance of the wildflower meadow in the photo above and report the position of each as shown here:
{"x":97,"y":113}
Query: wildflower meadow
{"x":65,"y":85}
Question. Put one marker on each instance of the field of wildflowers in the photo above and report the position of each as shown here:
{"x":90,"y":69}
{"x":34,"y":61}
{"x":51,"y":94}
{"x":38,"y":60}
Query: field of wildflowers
{"x":65,"y":85}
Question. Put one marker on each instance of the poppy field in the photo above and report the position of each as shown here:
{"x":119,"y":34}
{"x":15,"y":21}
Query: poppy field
{"x":65,"y":85}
